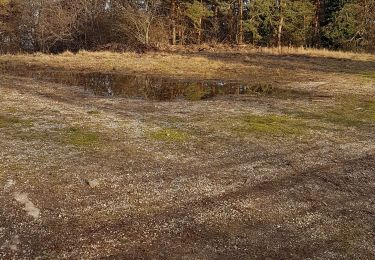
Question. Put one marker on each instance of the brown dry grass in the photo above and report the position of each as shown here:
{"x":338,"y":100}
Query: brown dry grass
{"x":311,"y":52}
{"x":248,"y":49}
{"x":264,"y":64}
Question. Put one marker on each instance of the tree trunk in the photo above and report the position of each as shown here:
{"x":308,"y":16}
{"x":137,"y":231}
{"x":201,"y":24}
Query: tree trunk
{"x":231,"y":25}
{"x":316,"y":23}
{"x":173,"y":33}
{"x":304,"y":30}
{"x":173,"y":16}
{"x":281,"y":23}
{"x":147,"y":34}
{"x":240,"y":22}
{"x":200,"y":29}
{"x":199,"y":32}
{"x":216,"y":24}
{"x":279,"y":33}
{"x":181,"y":36}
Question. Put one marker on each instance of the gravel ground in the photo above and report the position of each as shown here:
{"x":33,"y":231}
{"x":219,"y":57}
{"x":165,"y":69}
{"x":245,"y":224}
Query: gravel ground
{"x":233,"y":177}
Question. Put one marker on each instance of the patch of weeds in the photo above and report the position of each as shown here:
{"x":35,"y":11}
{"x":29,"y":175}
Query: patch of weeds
{"x":30,"y":135}
{"x":369,"y":111}
{"x":273,"y":125}
{"x":93,"y":112}
{"x":12,"y":110}
{"x":349,"y":113}
{"x":262,"y":89}
{"x":175,"y":119}
{"x":81,"y":138}
{"x":195,"y":92}
{"x":15,"y":167}
{"x":8,"y":121}
{"x":369,"y":74}
{"x":169,"y":135}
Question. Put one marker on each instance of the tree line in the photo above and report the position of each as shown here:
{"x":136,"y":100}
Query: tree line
{"x":58,"y":25}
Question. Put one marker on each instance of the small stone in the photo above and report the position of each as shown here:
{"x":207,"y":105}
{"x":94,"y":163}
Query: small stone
{"x":93,"y":183}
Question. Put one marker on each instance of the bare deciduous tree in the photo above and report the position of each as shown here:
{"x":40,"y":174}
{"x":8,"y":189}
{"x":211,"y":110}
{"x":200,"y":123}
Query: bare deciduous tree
{"x":136,"y":19}
{"x":55,"y":24}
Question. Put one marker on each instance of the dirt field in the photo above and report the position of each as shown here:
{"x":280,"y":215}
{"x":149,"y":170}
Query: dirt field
{"x":231,"y":177}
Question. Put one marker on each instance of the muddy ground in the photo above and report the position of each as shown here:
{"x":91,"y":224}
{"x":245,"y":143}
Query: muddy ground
{"x":231,"y":177}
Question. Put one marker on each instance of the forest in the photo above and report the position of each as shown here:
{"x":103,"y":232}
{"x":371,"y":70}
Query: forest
{"x":52,"y":26}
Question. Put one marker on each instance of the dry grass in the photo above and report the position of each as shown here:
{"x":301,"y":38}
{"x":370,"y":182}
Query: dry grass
{"x":263,"y":65}
{"x":248,"y":49}
{"x":311,"y":52}
{"x":126,"y":62}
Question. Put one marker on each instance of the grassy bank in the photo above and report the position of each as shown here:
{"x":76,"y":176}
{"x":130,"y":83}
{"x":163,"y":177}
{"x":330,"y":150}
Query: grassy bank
{"x":263,"y":66}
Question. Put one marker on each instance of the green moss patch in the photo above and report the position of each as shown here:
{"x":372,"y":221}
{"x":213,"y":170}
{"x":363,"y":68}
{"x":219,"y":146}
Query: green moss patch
{"x":348,"y":113}
{"x":169,"y":135}
{"x":6,"y":121}
{"x":93,"y":112}
{"x":273,"y":125}
{"x":9,"y":121}
{"x":352,"y":113}
{"x":369,"y":74}
{"x":81,"y":137}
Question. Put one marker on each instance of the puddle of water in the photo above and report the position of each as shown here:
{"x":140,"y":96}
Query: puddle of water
{"x":154,"y":88}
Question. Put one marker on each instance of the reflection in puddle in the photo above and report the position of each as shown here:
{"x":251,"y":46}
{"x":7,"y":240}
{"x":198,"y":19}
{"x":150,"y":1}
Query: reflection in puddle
{"x":155,"y":88}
